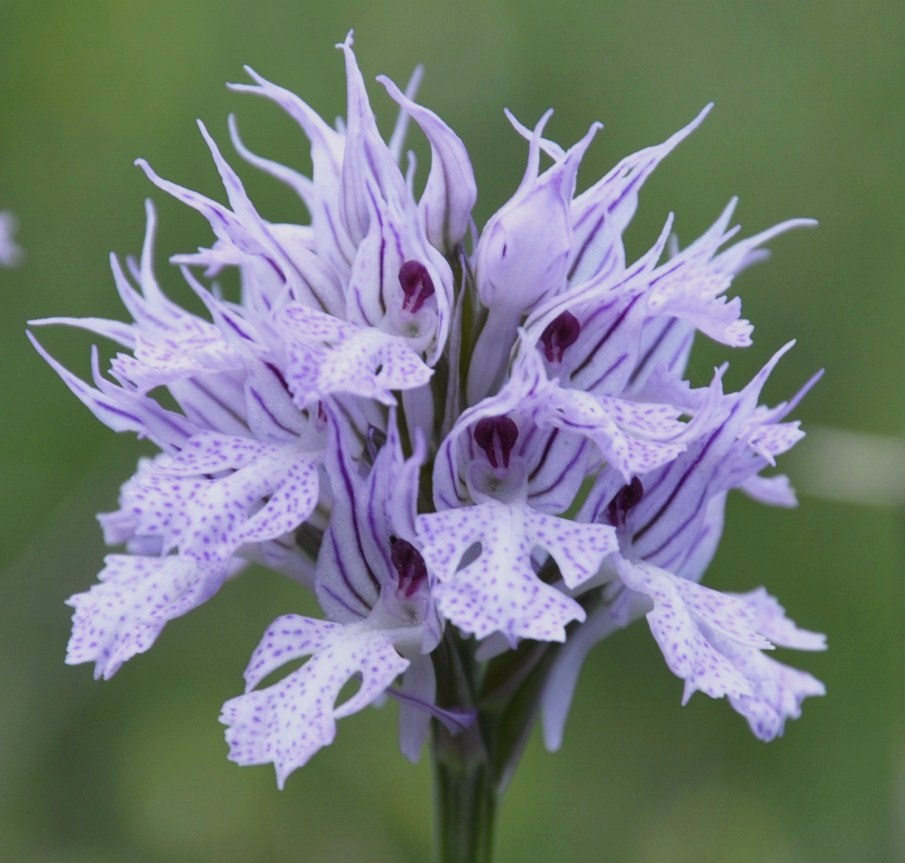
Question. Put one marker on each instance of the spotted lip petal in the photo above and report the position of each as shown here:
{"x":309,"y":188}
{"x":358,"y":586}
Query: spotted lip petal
{"x":714,"y":642}
{"x":328,"y":356}
{"x":188,"y":351}
{"x":778,"y":694}
{"x":287,"y":723}
{"x":221,"y":492}
{"x":778,"y":689}
{"x":500,"y":591}
{"x":137,"y":596}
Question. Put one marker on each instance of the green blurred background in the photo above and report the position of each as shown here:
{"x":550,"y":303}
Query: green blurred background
{"x":809,"y":120}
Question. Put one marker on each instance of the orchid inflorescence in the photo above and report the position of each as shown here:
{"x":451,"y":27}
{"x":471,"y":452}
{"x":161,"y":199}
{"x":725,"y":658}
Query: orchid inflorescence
{"x":480,"y":452}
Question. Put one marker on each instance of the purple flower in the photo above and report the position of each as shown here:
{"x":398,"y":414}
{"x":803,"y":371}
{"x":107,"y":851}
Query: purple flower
{"x":457,"y":447}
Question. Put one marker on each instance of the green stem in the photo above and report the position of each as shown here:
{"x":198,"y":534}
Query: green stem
{"x":465,"y":787}
{"x":464,"y":798}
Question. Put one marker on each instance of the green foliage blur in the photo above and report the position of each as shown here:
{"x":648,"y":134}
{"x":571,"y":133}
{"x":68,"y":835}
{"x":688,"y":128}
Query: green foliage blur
{"x":809,"y":121}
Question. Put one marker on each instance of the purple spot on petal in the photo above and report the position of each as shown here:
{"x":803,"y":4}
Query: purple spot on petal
{"x":409,"y":565}
{"x":560,"y":333}
{"x":627,"y":497}
{"x":496,"y":436}
{"x":416,"y":284}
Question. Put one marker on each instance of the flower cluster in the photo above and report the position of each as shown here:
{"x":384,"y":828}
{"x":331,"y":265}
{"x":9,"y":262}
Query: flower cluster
{"x":442,"y":435}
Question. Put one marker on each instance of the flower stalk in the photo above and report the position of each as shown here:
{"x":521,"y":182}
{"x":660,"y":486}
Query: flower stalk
{"x":465,"y":798}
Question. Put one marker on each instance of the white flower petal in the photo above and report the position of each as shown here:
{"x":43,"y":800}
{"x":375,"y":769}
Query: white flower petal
{"x":136,"y":598}
{"x":715,"y":642}
{"x":500,"y":591}
{"x":288,"y":722}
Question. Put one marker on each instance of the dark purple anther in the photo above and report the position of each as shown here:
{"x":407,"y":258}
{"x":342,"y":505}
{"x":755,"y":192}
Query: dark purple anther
{"x":416,"y":285}
{"x":496,"y":436}
{"x":623,"y":501}
{"x":409,"y":565}
{"x":559,"y":334}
